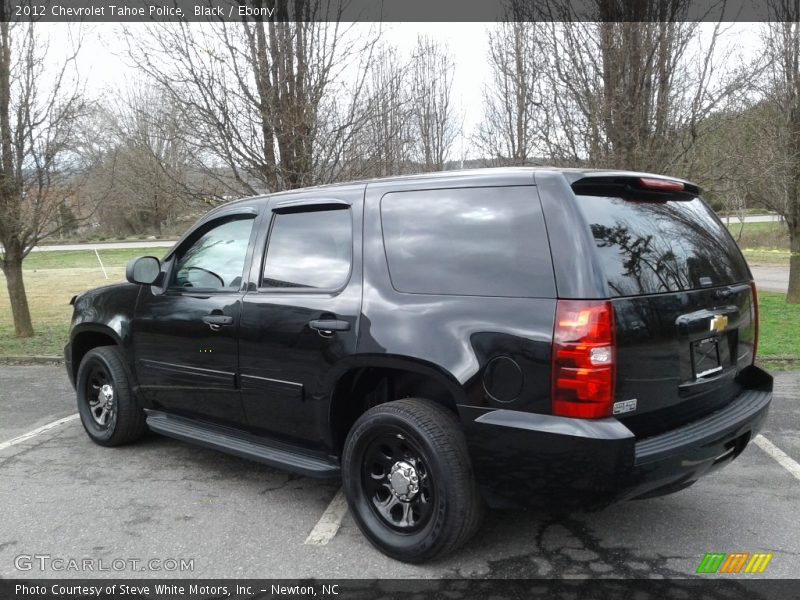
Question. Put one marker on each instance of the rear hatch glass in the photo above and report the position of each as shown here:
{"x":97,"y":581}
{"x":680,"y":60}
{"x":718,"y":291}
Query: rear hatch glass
{"x":682,"y":306}
{"x":651,"y":247}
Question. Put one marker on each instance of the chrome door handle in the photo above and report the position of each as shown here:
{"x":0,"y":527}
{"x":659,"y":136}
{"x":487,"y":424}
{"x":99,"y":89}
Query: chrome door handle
{"x":215,"y":322}
{"x":326,"y":327}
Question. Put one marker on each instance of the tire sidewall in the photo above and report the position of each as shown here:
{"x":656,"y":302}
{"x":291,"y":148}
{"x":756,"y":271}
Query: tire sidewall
{"x":96,"y":432}
{"x":409,"y":547}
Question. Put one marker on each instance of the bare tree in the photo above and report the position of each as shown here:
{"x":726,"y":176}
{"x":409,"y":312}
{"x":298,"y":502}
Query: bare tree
{"x":142,"y":179}
{"x":769,"y":142}
{"x":383,"y":145}
{"x":40,"y":106}
{"x":512,"y":129}
{"x":269,"y":99}
{"x":632,"y":89}
{"x":435,"y":124}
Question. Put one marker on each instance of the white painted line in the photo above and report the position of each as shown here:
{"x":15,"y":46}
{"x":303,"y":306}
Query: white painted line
{"x":37,"y":431}
{"x":779,"y":455}
{"x":330,"y":521}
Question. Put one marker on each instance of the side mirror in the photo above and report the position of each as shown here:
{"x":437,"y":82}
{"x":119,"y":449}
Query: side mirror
{"x":145,"y":270}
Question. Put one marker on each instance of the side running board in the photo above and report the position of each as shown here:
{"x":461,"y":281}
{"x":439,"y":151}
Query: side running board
{"x":231,"y":441}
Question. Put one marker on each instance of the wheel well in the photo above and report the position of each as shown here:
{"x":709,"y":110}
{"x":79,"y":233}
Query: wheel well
{"x":361,"y":389}
{"x":85,"y":341}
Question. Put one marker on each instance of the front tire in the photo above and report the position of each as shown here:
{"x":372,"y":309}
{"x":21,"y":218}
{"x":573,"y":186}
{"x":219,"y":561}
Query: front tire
{"x":106,"y":404}
{"x":408,"y":480}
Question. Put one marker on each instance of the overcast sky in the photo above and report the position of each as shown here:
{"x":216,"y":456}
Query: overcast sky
{"x":102,"y":62}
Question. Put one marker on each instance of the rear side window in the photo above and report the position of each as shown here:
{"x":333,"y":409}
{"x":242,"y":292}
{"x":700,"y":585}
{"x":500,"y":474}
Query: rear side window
{"x":309,"y":250}
{"x":650,"y":247}
{"x":487,"y":241}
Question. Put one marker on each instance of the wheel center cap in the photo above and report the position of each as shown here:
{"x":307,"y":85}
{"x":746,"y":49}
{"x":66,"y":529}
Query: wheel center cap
{"x":404,"y":480}
{"x":107,"y":394}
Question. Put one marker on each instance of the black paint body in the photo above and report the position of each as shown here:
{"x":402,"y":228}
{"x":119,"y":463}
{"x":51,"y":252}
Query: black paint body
{"x":268,"y":375}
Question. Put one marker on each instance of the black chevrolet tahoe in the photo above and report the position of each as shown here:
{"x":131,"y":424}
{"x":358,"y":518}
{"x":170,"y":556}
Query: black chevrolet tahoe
{"x":443,"y":342}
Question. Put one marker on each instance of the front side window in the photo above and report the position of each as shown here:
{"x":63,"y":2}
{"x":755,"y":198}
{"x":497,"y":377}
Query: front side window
{"x":215,"y":261}
{"x":309,"y":250}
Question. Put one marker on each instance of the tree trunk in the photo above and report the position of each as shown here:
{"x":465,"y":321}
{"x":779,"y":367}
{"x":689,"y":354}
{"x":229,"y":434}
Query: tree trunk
{"x":793,"y":297}
{"x":23,"y":327}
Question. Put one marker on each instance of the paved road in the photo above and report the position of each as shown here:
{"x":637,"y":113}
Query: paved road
{"x":771,"y":278}
{"x":158,"y":499}
{"x":753,"y":219}
{"x":106,"y":246}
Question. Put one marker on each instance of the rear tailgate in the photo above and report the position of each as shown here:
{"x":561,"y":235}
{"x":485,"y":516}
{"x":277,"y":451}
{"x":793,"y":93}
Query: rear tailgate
{"x":682,"y":298}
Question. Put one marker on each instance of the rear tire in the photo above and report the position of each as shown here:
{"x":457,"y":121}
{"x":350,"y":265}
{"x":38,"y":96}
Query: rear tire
{"x":409,"y":482}
{"x":106,"y":404}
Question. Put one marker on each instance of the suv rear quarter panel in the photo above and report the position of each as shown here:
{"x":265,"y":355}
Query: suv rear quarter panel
{"x":460,"y":335}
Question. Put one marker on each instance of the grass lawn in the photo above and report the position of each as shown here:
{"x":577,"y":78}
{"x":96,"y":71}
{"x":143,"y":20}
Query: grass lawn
{"x":779,"y":327}
{"x":762,"y":238}
{"x":86,"y":259}
{"x":766,"y":256}
{"x":753,"y":228}
{"x":52,"y":278}
{"x":762,"y":243}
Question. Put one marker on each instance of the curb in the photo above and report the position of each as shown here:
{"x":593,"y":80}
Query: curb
{"x":35,"y":360}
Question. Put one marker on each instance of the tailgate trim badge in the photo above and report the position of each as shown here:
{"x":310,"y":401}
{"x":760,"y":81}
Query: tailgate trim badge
{"x":624,"y":406}
{"x":718,"y":323}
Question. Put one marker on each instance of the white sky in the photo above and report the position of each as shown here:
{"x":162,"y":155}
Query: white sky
{"x":102,"y":63}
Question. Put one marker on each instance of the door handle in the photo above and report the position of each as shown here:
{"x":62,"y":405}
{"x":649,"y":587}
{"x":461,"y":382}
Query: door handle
{"x":326,"y":327}
{"x":216,"y":321}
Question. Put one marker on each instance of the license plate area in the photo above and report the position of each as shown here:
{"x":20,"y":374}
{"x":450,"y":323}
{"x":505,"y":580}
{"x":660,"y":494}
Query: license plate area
{"x":705,"y":357}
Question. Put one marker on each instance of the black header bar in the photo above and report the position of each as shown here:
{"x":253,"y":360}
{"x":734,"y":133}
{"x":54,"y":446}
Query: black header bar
{"x":367,"y":589}
{"x":391,"y":10}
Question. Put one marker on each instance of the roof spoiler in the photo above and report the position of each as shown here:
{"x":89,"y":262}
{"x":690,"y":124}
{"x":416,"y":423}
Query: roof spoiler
{"x":639,"y":187}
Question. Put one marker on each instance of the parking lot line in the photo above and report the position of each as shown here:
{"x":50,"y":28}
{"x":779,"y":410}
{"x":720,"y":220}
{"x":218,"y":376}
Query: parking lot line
{"x":329,"y":522}
{"x":779,"y":455}
{"x":37,"y":431}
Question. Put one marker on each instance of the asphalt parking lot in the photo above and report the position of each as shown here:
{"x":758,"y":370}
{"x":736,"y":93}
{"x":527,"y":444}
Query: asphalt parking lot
{"x":64,"y":497}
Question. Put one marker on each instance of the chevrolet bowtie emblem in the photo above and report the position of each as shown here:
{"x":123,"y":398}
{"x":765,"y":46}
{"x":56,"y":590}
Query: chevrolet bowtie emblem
{"x":718,"y":323}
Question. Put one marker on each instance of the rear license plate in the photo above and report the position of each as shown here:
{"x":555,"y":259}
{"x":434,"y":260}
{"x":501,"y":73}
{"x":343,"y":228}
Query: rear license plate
{"x":705,"y":357}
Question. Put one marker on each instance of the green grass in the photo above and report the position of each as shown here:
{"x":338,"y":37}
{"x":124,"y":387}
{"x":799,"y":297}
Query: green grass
{"x":753,"y":228}
{"x":48,"y":340}
{"x":779,"y":327}
{"x":86,"y":259}
{"x":760,"y":236}
{"x":51,"y":279}
{"x":766,"y":256}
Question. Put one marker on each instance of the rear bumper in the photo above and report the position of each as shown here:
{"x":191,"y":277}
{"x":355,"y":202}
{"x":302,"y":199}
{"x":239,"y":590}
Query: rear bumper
{"x":524,"y":459}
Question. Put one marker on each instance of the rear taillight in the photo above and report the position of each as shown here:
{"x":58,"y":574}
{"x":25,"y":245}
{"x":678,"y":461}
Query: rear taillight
{"x":583,"y":359}
{"x":755,"y":318}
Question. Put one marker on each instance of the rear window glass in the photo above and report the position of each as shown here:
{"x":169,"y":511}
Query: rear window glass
{"x":649,"y":247}
{"x":487,"y":241}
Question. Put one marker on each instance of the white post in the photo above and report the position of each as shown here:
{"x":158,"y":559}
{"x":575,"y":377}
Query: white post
{"x":97,"y":254}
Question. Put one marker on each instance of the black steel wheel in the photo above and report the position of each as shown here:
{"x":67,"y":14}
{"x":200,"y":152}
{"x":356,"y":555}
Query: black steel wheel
{"x":408,"y":480}
{"x":397,"y":480}
{"x":106,"y":404}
